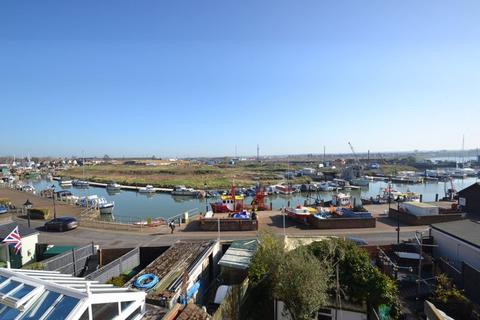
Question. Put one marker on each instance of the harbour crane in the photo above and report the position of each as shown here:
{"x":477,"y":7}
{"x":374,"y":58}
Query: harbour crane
{"x":354,"y":154}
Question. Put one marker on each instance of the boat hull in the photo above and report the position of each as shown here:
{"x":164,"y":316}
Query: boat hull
{"x":107,"y":209}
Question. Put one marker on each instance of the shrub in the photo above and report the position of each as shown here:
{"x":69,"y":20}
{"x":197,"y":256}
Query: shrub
{"x":119,"y":281}
{"x":34,"y":266}
{"x":40,"y":213}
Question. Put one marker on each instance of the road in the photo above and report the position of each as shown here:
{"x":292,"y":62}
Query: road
{"x":383,"y":233}
{"x":119,"y":239}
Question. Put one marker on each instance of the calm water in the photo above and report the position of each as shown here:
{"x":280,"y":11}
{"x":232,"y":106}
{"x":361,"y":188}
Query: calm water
{"x":137,"y":205}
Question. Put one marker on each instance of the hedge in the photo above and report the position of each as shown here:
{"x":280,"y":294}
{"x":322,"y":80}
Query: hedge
{"x":40,"y":213}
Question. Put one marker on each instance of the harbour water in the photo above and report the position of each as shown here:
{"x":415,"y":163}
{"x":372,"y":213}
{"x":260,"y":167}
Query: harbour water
{"x":138,"y":205}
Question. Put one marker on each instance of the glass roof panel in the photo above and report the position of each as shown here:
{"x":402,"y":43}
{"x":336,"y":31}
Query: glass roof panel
{"x":41,"y":305}
{"x":63,"y":308}
{"x":9,"y":287}
{"x":7,"y":313}
{"x":22,"y":292}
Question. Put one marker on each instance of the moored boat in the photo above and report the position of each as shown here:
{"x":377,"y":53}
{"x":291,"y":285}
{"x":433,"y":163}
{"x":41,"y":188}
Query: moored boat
{"x":80,"y":183}
{"x":113,"y":187}
{"x":184,"y":191}
{"x":147,"y":189}
{"x":228,"y":203}
{"x":104,"y":206}
{"x":65,"y":182}
{"x":284,"y":189}
{"x":300,"y":213}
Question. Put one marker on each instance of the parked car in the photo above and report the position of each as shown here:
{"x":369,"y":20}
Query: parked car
{"x":61,"y":224}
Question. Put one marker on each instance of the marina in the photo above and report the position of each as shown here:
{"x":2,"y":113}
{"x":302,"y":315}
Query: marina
{"x":160,"y":204}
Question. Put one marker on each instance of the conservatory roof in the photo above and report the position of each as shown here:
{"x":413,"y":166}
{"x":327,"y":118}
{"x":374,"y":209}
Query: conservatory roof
{"x":48,"y":295}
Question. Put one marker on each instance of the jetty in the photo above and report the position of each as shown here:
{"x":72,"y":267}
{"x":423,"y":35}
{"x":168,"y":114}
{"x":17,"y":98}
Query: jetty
{"x":123,"y":187}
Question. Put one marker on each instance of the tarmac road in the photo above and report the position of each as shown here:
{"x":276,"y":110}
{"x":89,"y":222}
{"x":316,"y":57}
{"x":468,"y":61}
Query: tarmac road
{"x":118,"y":239}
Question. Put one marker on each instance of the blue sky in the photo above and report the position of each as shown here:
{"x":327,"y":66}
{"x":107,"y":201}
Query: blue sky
{"x":196,"y":78}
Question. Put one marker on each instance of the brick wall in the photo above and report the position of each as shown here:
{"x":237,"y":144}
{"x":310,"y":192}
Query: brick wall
{"x":230,"y":224}
{"x":342,"y":223}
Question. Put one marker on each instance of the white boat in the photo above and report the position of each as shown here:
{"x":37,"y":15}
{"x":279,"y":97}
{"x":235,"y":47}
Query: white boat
{"x":88,"y":201}
{"x":104,"y":206}
{"x":114,"y":187}
{"x":341,"y":199}
{"x":65,"y":182}
{"x":147,"y":189}
{"x":361,"y":182}
{"x":80,"y":183}
{"x":184,"y":191}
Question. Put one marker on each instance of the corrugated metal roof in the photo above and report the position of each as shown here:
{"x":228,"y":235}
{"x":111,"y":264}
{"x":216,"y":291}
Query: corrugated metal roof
{"x":239,"y":254}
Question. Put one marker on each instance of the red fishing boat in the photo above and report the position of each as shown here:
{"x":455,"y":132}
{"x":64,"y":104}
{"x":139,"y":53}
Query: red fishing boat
{"x":228,"y":203}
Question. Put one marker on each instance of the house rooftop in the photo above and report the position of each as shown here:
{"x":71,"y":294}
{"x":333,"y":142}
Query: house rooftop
{"x":5,"y":230}
{"x":465,"y":230}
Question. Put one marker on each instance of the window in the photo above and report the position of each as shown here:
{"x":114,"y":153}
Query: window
{"x":22,"y":292}
{"x":9,"y":287}
{"x":7,"y":313}
{"x":125,"y":304}
{"x":62,"y":308}
{"x":41,"y":305}
{"x":104,"y":311}
{"x":134,"y":314}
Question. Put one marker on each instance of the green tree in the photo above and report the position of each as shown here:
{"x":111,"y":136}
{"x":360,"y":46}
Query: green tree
{"x":302,"y":284}
{"x":360,"y":281}
{"x":270,"y":253}
{"x":450,"y":299}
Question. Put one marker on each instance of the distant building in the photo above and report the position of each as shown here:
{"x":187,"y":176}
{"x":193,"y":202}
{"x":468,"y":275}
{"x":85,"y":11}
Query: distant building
{"x":469,"y":198}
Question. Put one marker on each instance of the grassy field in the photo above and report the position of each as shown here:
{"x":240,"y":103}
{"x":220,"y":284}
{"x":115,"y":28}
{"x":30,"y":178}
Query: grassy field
{"x":191,"y":175}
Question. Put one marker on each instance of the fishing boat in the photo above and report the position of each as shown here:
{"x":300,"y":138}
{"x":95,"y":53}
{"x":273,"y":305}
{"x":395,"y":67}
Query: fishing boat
{"x":341,"y":199}
{"x":184,"y":191}
{"x":147,"y":189}
{"x":112,"y":187}
{"x":300,"y":213}
{"x":228,"y":203}
{"x":284,"y":189}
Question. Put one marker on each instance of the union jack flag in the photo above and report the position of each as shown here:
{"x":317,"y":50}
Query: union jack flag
{"x":14,"y":238}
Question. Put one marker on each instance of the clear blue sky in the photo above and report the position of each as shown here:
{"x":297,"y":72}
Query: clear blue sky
{"x":188,"y":78}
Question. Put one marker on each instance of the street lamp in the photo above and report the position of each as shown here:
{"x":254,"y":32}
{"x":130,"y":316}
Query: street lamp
{"x":53,"y":199}
{"x":206,"y":203}
{"x":27,"y":206}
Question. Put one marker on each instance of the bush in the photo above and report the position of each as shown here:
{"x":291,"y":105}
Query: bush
{"x":119,"y":281}
{"x":34,"y":266}
{"x":40,"y":213}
